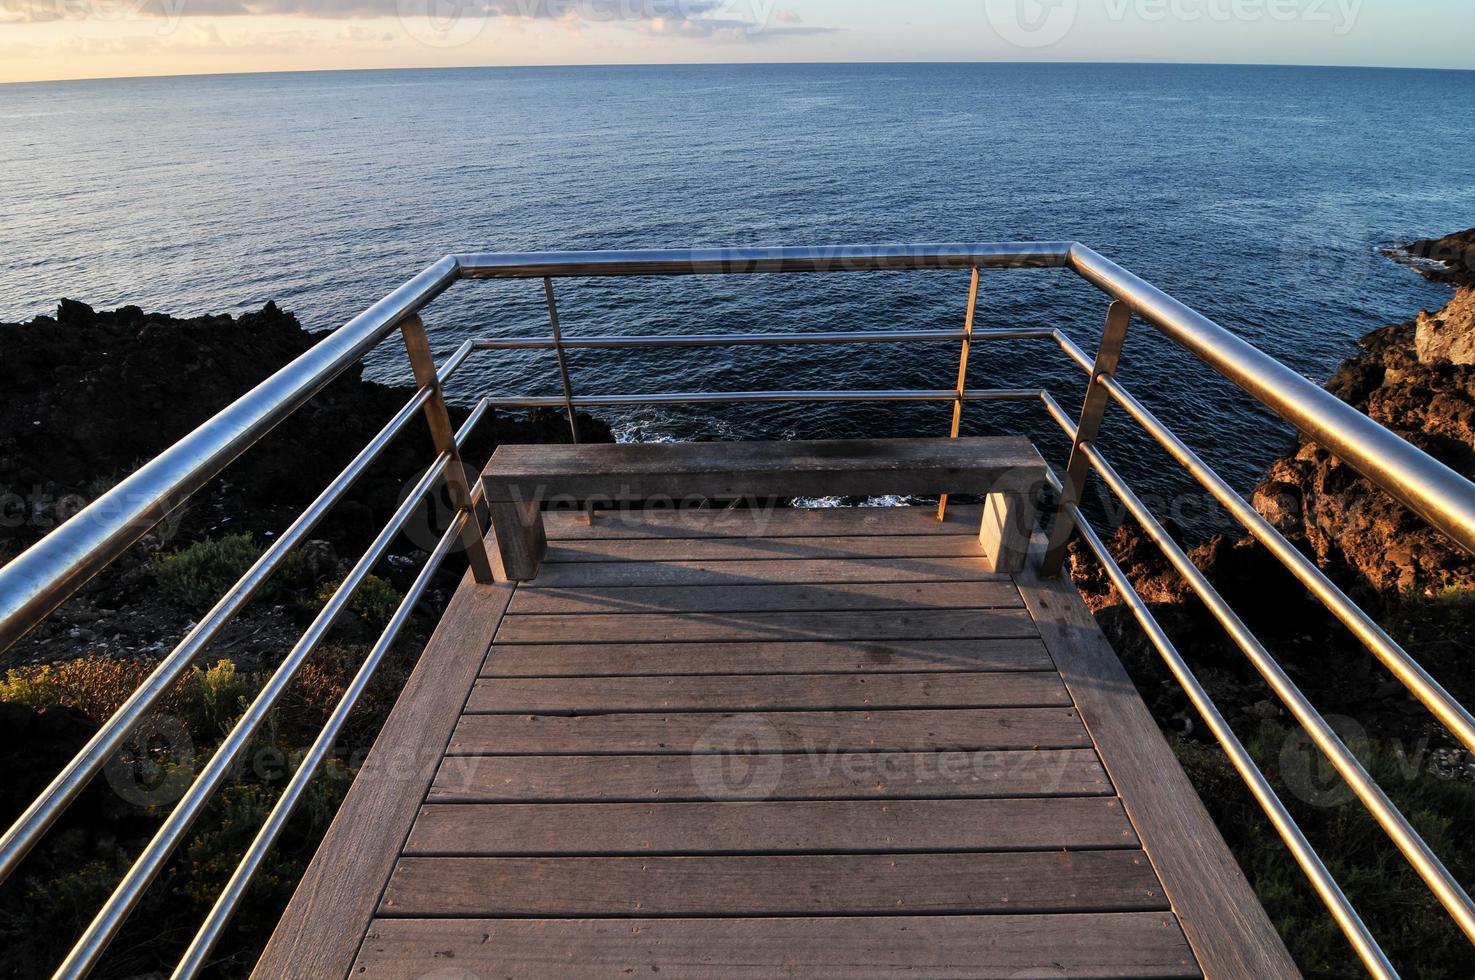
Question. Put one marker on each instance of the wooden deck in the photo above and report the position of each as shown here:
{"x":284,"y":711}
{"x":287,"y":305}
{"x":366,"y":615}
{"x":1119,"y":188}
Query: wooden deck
{"x":743,"y":744}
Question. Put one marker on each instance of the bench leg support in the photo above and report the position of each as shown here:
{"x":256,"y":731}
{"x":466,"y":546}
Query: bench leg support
{"x":522,"y":540}
{"x":1008,"y":522}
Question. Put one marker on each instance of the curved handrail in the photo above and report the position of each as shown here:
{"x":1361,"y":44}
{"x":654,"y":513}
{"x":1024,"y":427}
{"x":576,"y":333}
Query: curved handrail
{"x":50,"y":571}
{"x":1432,"y":490}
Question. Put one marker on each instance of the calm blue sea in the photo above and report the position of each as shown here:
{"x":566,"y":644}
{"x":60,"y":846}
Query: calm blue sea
{"x":1259,"y":195}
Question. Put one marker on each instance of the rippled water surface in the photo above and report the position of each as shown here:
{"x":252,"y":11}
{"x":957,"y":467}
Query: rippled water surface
{"x":1258,"y":195}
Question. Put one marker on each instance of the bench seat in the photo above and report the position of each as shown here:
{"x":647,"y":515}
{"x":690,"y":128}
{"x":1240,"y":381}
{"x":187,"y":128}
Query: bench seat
{"x":521,"y":480}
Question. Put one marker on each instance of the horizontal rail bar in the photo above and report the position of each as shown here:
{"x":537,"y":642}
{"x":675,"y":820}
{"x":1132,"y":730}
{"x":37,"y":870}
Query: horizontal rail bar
{"x":1409,"y":672}
{"x":1326,"y":887}
{"x":1435,"y":492}
{"x":1413,"y":847}
{"x":43,"y":812}
{"x":104,"y":926}
{"x":743,"y":261}
{"x":1061,"y":416}
{"x":733,"y":397}
{"x":235,"y":889}
{"x":761,"y":339}
{"x":46,"y":574}
{"x":1072,"y":349}
{"x":103,"y":746}
{"x":84,"y":955}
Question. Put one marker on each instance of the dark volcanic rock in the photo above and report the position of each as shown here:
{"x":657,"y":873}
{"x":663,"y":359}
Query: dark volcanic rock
{"x":1449,"y":259}
{"x":88,"y":396}
{"x":1406,"y":574}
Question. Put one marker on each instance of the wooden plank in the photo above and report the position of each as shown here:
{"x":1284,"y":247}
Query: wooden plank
{"x":320,"y":931}
{"x":921,"y":624}
{"x":771,"y":522}
{"x":841,"y":776}
{"x":781,"y":731}
{"x":609,"y":695}
{"x":1223,"y":920}
{"x":787,"y":657}
{"x":991,"y":947}
{"x":690,"y":471}
{"x":770,"y":827}
{"x":888,"y":884}
{"x":770,"y":549}
{"x":768,"y":598}
{"x":583,"y":574}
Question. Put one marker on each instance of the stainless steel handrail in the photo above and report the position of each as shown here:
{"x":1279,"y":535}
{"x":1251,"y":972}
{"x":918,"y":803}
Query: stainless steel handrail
{"x":37,"y":581}
{"x":1432,"y":490}
{"x":44,"y":576}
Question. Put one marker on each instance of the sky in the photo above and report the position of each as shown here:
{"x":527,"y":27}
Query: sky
{"x":60,"y":39}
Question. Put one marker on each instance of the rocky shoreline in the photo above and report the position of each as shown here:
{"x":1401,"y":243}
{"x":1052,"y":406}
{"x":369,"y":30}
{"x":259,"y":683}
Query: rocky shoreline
{"x":1417,"y":379}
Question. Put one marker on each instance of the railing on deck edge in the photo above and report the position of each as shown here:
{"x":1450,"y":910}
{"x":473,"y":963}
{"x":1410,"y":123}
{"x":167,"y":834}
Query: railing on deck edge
{"x":36,"y":582}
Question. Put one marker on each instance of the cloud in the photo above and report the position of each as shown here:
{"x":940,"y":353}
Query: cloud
{"x":753,"y":12}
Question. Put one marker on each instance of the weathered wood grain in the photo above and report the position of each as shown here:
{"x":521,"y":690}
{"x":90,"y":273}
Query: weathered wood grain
{"x":770,"y":827}
{"x":779,"y":731}
{"x":807,"y":571}
{"x":687,"y":471}
{"x":595,"y":659}
{"x":990,"y":947}
{"x":901,"y":624}
{"x":841,"y":776}
{"x":772,"y":522}
{"x":1220,"y":914}
{"x":767,"y":598}
{"x":613,"y":695}
{"x":884,"y":884}
{"x":769,"y":549}
{"x":319,"y":934}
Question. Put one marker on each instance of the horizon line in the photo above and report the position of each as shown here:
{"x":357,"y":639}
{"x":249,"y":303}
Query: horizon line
{"x":728,"y":64}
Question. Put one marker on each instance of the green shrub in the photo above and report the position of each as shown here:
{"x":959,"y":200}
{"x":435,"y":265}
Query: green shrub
{"x":1392,"y":899}
{"x":196,"y":577}
{"x":94,"y":685}
{"x":209,"y":699}
{"x":375,"y":600}
{"x":219,"y":695}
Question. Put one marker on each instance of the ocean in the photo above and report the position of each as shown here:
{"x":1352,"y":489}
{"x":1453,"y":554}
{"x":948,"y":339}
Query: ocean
{"x":1259,"y":195}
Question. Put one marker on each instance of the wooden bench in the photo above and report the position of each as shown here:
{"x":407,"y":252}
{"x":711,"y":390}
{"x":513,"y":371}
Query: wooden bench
{"x":520,"y":480}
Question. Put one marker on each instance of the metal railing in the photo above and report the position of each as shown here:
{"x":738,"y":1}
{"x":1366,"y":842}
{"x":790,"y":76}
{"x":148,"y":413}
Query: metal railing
{"x":40,"y":579}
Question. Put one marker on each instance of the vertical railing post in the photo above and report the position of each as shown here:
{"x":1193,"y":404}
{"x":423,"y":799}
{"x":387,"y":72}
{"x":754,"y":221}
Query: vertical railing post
{"x":422,"y":363}
{"x":1108,"y":355}
{"x":568,"y":388}
{"x":962,"y":374}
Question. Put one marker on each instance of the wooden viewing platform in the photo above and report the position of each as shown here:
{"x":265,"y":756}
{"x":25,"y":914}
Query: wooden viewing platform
{"x":758,"y":743}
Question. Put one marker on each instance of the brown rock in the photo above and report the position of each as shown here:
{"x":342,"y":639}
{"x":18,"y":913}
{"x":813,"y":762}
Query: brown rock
{"x":1449,"y":335}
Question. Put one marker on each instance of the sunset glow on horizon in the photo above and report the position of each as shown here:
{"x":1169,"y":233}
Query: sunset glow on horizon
{"x":63,"y":39}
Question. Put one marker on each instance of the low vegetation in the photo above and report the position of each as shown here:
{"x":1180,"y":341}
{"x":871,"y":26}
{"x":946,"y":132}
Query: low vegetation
{"x":208,"y":699}
{"x":374,"y":601}
{"x":1392,"y":899}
